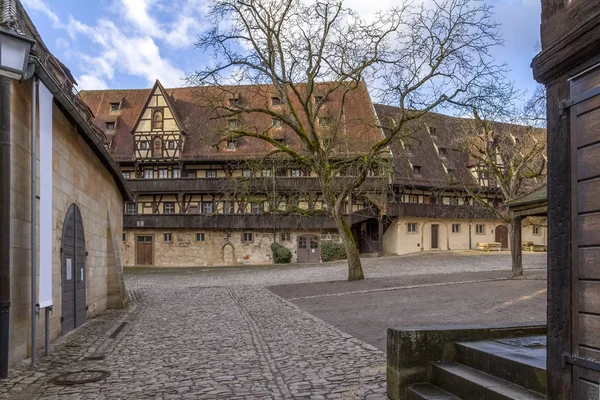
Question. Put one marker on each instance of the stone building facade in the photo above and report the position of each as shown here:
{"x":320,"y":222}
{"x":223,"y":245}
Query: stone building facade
{"x":201,"y":201}
{"x":85,"y":177}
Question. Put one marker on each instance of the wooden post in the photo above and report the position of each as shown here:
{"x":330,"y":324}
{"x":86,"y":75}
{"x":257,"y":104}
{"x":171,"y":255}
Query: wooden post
{"x":518,"y":250}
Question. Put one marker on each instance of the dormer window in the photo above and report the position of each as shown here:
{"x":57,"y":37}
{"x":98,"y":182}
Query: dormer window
{"x":451,"y":171}
{"x":275,"y":101}
{"x":318,"y":99}
{"x":432,"y":130}
{"x":280,"y":140}
{"x":443,"y":151}
{"x":277,"y":123}
{"x":234,"y":124}
{"x":231,"y":144}
{"x":114,"y":107}
{"x":234,"y":103}
{"x":110,"y":127}
{"x":157,"y":119}
{"x":416,"y":169}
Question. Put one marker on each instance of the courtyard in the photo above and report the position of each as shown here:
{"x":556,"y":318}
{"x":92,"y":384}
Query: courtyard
{"x":294,"y":331}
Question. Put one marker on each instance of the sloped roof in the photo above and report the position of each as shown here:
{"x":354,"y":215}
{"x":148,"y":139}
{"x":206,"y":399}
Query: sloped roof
{"x":204,"y":123}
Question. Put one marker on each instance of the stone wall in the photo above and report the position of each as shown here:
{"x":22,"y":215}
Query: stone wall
{"x":185,"y":251}
{"x":78,"y":177}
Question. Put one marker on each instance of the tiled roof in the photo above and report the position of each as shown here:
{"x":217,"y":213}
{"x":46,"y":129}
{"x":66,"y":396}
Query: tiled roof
{"x":204,"y":124}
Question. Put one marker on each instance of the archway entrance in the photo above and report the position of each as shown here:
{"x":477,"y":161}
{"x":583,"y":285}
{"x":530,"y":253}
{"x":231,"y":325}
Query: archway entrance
{"x":308,"y":249}
{"x":228,"y":254}
{"x":73,"y":270}
{"x":502,"y":236}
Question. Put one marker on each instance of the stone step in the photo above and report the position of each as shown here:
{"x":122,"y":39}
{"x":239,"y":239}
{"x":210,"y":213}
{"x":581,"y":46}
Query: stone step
{"x":519,"y":365}
{"x":426,"y":391}
{"x":470,"y":384}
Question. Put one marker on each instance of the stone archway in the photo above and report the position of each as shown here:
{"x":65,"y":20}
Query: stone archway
{"x":228,"y":252}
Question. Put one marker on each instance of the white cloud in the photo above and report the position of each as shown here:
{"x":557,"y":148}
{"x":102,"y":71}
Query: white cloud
{"x":39,"y":5}
{"x":91,"y":82}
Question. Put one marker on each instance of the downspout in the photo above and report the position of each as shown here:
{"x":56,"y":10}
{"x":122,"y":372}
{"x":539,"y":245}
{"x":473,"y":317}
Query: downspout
{"x":5,"y":85}
{"x":34,"y":304}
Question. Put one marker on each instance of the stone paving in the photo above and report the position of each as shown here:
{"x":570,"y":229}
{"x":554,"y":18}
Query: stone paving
{"x":219,"y":334}
{"x":208,"y":343}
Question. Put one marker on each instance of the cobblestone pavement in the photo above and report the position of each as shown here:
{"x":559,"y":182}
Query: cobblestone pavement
{"x":208,"y":343}
{"x":219,"y":334}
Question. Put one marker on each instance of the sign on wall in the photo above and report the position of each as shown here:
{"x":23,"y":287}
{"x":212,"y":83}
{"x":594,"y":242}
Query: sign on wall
{"x":46,"y":234}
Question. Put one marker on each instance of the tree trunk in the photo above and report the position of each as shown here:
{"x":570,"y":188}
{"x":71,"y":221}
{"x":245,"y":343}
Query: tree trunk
{"x":516,"y":251}
{"x":355,"y":271}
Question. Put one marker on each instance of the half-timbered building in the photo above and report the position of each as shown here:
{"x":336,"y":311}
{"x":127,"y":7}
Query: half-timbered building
{"x":201,"y":201}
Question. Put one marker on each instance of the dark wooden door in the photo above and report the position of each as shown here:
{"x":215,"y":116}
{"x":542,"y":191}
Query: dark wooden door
{"x":585,"y":223}
{"x":73,"y":257}
{"x":308,"y":250}
{"x":144,"y":250}
{"x":502,"y":236}
{"x":435,"y":230}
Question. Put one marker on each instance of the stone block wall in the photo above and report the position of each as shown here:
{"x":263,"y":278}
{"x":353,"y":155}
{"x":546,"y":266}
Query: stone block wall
{"x":185,"y":251}
{"x":78,"y":177}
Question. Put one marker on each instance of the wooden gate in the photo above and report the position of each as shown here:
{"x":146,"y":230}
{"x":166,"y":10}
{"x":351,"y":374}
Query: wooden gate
{"x":144,"y":250}
{"x":73,"y":254}
{"x":584,"y":357}
{"x":501,"y":236}
{"x":435,"y":230}
{"x":308,"y":250}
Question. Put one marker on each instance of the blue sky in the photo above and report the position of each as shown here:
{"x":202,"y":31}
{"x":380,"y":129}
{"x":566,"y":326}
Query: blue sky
{"x":130,"y":43}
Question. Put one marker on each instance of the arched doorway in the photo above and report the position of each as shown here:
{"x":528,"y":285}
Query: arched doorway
{"x":73,"y":270}
{"x":308,"y":249}
{"x":229,"y":254}
{"x":502,"y":236}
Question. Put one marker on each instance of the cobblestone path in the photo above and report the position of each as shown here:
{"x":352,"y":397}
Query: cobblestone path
{"x":241,"y":342}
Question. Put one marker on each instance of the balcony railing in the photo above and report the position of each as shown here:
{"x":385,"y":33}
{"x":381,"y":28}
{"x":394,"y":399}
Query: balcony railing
{"x":216,"y":185}
{"x":438,"y":211}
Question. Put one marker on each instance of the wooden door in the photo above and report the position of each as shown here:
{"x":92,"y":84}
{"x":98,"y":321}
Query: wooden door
{"x":309,"y":249}
{"x":435,"y":230}
{"x":302,"y":249}
{"x":73,"y":275}
{"x":144,"y":250}
{"x":584,"y":357}
{"x":502,"y":236}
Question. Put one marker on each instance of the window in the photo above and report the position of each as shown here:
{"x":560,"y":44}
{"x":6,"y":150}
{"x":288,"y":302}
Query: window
{"x":148,"y":173}
{"x":211,"y":173}
{"x":143,"y":145}
{"x":191,"y":174}
{"x":413,"y":199}
{"x":231,"y":144}
{"x":234,"y":103}
{"x":247,"y":237}
{"x":480,"y":229}
{"x":163,"y":173}
{"x":157,"y":119}
{"x":451,"y":171}
{"x":285,"y":237}
{"x":455,"y":228}
{"x":318,"y":99}
{"x":207,"y":207}
{"x":416,"y":170}
{"x":157,"y":150}
{"x":295,"y":172}
{"x":171,"y":144}
{"x":127,"y":175}
{"x":200,"y":237}
{"x":432,"y":130}
{"x":443,"y":151}
{"x":110,"y":126}
{"x":114,"y":107}
{"x":536,"y":230}
{"x":324,"y":121}
{"x":407,"y":146}
{"x":277,"y":123}
{"x":169,"y":208}
{"x":266,"y":172}
{"x":234,"y":124}
{"x":192,"y":209}
{"x":176,"y":173}
{"x":257,"y":208}
{"x":247,"y":173}
{"x":411,"y":227}
{"x":124,"y":237}
{"x":167,"y":237}
{"x":275,"y":101}
{"x":227,"y":207}
{"x":130,"y":208}
{"x":280,"y":140}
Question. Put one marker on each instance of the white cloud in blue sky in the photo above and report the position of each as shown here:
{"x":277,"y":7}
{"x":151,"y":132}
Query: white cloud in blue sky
{"x":130,"y":43}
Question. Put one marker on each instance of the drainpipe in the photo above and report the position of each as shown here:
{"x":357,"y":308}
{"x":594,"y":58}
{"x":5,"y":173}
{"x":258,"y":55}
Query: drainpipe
{"x":34,"y":304}
{"x":5,"y":85}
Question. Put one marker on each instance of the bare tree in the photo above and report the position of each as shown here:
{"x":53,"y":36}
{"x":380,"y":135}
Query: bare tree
{"x":510,"y":157}
{"x":312,"y":52}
